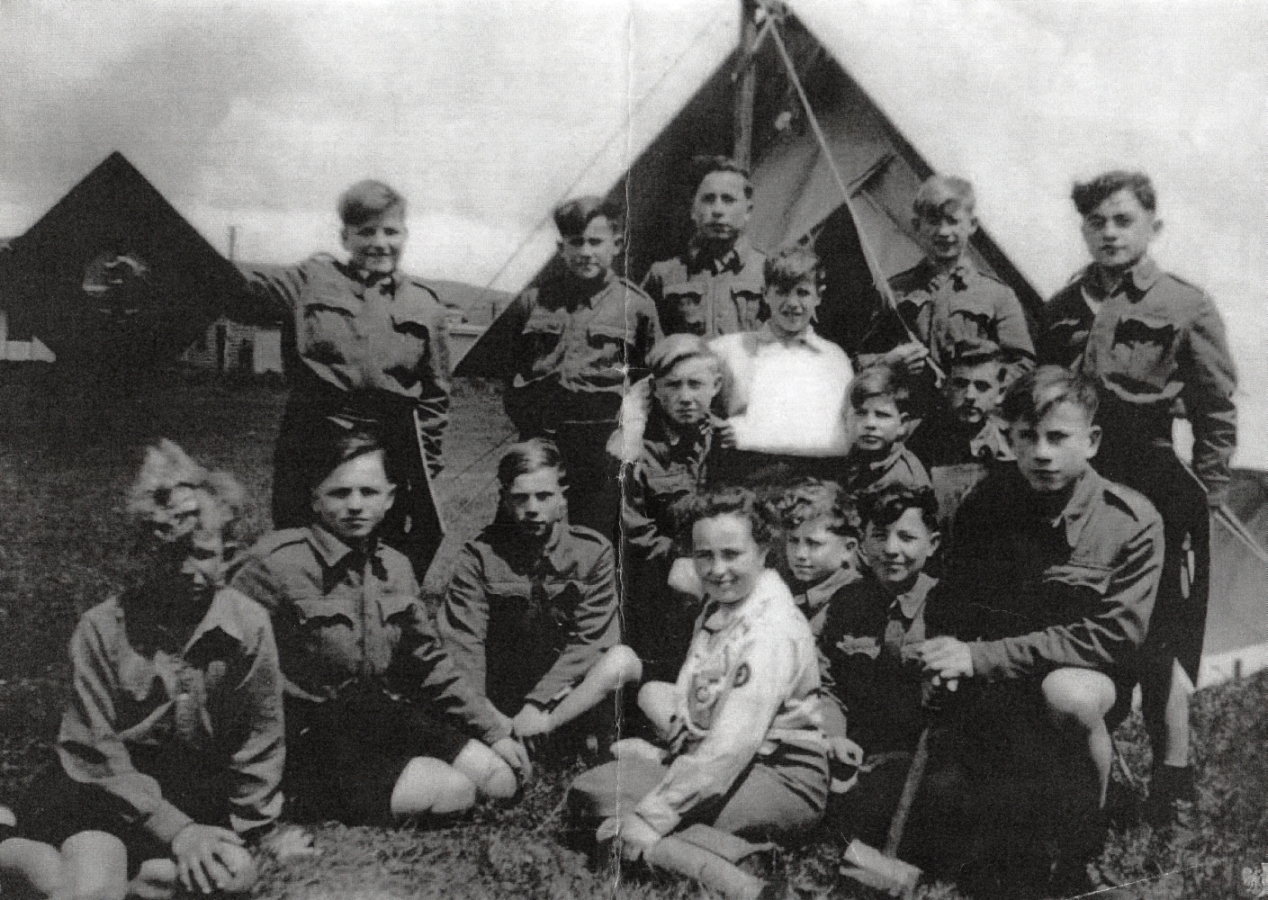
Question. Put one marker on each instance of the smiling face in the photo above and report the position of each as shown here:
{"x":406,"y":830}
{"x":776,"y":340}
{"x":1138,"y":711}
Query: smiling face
{"x":943,"y":233}
{"x":352,"y":501}
{"x":814,"y":551}
{"x":720,"y":210}
{"x":536,"y":502}
{"x":375,"y":246}
{"x":589,"y":255}
{"x":974,"y":392}
{"x":1118,"y":232}
{"x":878,"y":424}
{"x":897,"y":553}
{"x":685,"y":391}
{"x":727,"y":558}
{"x":1055,"y":451}
{"x":792,"y":308}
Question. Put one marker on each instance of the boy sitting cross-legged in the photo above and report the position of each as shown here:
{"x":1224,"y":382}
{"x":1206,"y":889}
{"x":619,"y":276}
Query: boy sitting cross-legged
{"x":170,"y":752}
{"x":380,"y":720}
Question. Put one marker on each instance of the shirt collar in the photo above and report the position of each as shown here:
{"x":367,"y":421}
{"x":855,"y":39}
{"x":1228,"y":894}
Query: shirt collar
{"x":730,"y":261}
{"x":912,"y":601}
{"x":331,"y":550}
{"x":882,"y":464}
{"x":990,"y":443}
{"x":818,"y":595}
{"x":808,"y":338}
{"x":222,"y":616}
{"x":1135,"y":281}
{"x":1074,"y":516}
{"x":960,"y":276}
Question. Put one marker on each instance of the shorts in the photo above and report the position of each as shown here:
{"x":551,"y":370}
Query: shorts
{"x":56,"y":807}
{"x":344,"y":757}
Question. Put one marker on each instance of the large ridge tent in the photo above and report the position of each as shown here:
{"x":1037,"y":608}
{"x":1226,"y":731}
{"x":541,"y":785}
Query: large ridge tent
{"x":809,"y":49}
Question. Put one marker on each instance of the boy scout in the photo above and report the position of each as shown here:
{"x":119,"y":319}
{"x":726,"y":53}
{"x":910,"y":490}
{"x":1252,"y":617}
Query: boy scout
{"x":944,"y":299}
{"x":366,"y":349}
{"x":582,"y":338}
{"x":680,"y":454}
{"x":821,"y":542}
{"x":1153,"y":344}
{"x":531,"y":616}
{"x":170,"y":752}
{"x":378,"y":717}
{"x":715,"y":287}
{"x":1050,"y":578}
{"x":880,"y":410}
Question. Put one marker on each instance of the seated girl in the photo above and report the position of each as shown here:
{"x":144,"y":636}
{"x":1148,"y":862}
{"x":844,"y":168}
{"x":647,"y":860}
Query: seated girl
{"x":746,"y":751}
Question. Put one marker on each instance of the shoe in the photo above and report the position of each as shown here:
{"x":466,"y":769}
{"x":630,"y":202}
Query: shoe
{"x":1172,"y":798}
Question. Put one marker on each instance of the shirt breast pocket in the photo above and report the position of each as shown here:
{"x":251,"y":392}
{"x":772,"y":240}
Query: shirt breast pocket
{"x":852,"y":645}
{"x":748,"y":305}
{"x":1065,"y":340}
{"x":685,"y":302}
{"x":609,"y":343}
{"x":412,"y":329}
{"x":543,"y":337}
{"x":1074,"y":589}
{"x":1143,"y":352}
{"x":318,"y":614}
{"x":669,"y":487}
{"x":328,"y":327}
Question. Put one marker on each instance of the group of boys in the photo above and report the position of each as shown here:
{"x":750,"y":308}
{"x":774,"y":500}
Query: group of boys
{"x":1056,"y":588}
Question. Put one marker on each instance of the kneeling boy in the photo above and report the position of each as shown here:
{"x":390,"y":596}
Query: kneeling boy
{"x":378,"y":718}
{"x":171,"y":748}
{"x":531,"y":614}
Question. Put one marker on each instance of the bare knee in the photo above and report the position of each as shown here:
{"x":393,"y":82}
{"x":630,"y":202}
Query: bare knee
{"x":32,"y":869}
{"x":428,"y":786}
{"x":1083,"y":696}
{"x":656,"y":700}
{"x":621,"y":666}
{"x":490,"y":773}
{"x":99,"y":865}
{"x":156,"y":880}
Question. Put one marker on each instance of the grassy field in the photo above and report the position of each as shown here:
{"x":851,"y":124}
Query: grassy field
{"x":63,"y":542}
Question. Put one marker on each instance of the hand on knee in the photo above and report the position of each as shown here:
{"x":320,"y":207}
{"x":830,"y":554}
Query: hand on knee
{"x":428,"y":786}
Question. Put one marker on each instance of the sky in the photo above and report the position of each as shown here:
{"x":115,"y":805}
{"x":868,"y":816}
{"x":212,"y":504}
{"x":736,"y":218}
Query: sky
{"x":485,"y":113}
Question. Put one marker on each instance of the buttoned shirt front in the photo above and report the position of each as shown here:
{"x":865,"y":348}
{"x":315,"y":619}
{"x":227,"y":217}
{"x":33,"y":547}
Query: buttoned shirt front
{"x":528,"y":625}
{"x":354,"y":340}
{"x":348,"y":620}
{"x":1152,"y":342}
{"x":963,"y":305}
{"x":584,"y":338}
{"x":696,"y":293}
{"x":862,"y":472}
{"x":673,"y":465}
{"x":785,"y":395}
{"x":750,"y":682}
{"x":868,"y":650}
{"x":212,"y":697}
{"x":1031,"y":592}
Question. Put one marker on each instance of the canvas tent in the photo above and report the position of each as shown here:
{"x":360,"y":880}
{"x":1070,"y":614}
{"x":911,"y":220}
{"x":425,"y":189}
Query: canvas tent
{"x":797,"y":197}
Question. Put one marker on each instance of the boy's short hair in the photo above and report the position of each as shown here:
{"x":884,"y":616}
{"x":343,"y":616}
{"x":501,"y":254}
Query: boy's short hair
{"x":669,"y":352}
{"x":529,"y":456}
{"x":722,"y":501}
{"x":343,"y":447}
{"x":704,"y":166}
{"x":815,"y":500}
{"x":1033,"y":396}
{"x":972,"y":353}
{"x":174,"y":496}
{"x":887,"y":505}
{"x":939,"y":190}
{"x":1088,"y":195}
{"x":366,"y":200}
{"x":791,"y":266}
{"x":880,"y":379}
{"x":572,"y":216}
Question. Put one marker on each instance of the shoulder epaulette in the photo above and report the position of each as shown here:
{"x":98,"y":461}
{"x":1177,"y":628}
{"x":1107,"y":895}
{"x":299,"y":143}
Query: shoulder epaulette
{"x":1130,"y":501}
{"x":589,"y":535}
{"x":276,"y":540}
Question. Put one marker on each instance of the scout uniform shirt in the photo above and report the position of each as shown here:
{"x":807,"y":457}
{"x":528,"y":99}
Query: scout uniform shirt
{"x":958,"y":460}
{"x":527,"y":626}
{"x":347,"y":620}
{"x":697,"y":294}
{"x":867,"y":652}
{"x":815,"y":600}
{"x":1151,"y":342}
{"x":943,"y":309}
{"x":671,"y":467}
{"x":860,"y":472}
{"x":152,"y":710}
{"x":356,"y":344}
{"x":577,"y":349}
{"x":1031,"y":592}
{"x":749,"y":685}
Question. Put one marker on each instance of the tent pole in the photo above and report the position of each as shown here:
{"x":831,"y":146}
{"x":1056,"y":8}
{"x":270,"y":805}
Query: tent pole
{"x":878,"y":277}
{"x":746,"y":90}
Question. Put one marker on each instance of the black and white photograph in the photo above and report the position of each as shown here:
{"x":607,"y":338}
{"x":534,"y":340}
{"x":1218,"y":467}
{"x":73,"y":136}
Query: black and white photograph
{"x":633,"y":449}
